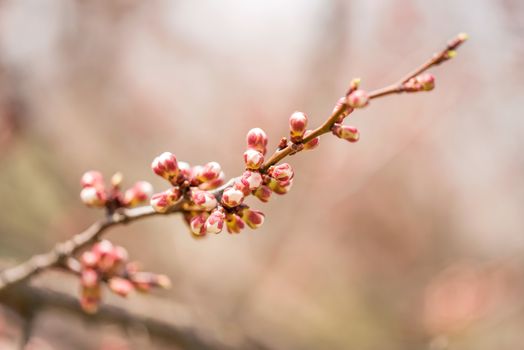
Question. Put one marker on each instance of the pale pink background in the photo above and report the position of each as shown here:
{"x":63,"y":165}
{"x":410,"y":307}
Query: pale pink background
{"x":410,"y":239}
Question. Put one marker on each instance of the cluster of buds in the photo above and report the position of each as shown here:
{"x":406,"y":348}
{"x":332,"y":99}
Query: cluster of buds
{"x":108,"y":263}
{"x":95,"y":194}
{"x":209,"y":214}
{"x":184,"y":179}
{"x":422,"y":82}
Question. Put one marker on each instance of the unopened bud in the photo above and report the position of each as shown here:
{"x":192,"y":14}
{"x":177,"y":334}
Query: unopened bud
{"x":311,"y":144}
{"x":163,"y":201}
{"x":211,"y":185}
{"x":208,"y":172}
{"x":120,"y":286}
{"x":107,"y":257}
{"x":215,"y":222}
{"x":253,"y":218}
{"x":283,"y":173}
{"x":242,"y":186}
{"x":358,"y":99}
{"x":89,"y":304}
{"x":89,"y":278}
{"x":116,"y":179}
{"x":354,"y":85}
{"x":89,"y":259}
{"x":185,"y":169}
{"x":93,"y":197}
{"x":205,"y":200}
{"x":120,"y":254}
{"x":263,"y":193}
{"x":92,"y":179}
{"x":426,"y":81}
{"x":197,"y":224}
{"x":251,"y":179}
{"x":138,"y":194}
{"x":166,"y":166}
{"x":257,"y":140}
{"x":234,"y":223}
{"x":253,"y":159}
{"x":297,"y":126}
{"x":280,"y":188}
{"x":346,"y":132}
{"x":232,"y":197}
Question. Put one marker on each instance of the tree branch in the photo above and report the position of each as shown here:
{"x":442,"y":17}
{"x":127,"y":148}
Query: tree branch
{"x":25,"y":298}
{"x":56,"y":257}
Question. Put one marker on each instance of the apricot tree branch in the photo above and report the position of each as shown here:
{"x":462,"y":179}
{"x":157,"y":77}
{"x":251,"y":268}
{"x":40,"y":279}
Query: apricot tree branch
{"x":59,"y":254}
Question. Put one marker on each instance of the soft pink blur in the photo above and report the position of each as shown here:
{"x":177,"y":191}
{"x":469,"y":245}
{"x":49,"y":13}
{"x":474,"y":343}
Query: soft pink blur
{"x":409,"y":239}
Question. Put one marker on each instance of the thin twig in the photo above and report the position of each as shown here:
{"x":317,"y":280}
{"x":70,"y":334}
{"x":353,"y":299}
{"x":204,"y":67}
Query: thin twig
{"x":439,"y":57}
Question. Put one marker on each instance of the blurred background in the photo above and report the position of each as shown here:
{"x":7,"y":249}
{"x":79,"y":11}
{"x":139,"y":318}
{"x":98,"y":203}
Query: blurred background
{"x":412,"y":238}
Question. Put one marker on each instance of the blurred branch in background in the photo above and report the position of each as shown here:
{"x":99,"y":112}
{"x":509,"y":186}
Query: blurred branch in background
{"x":28,"y":301}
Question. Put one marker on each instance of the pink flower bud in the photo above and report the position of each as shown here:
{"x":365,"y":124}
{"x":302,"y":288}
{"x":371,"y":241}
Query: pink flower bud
{"x":241,"y":186}
{"x":143,"y":281}
{"x":232,"y":197}
{"x":203,"y":199}
{"x":311,"y":144}
{"x":89,"y":278}
{"x":166,"y":166}
{"x":93,"y":197}
{"x":297,"y":126}
{"x":253,"y":159}
{"x":90,"y":299}
{"x":195,"y":171}
{"x":263,"y":193}
{"x":185,"y":169}
{"x":257,"y":140}
{"x":138,"y":194}
{"x":426,"y":81}
{"x":280,"y":188}
{"x":346,"y":132}
{"x":208,"y":172}
{"x":163,"y":201}
{"x":253,"y":218}
{"x":215,"y":222}
{"x":283,"y":173}
{"x":358,"y":99}
{"x":251,"y":179}
{"x":346,"y":110}
{"x":197,"y":224}
{"x":211,"y":185}
{"x":92,"y":179}
{"x":117,"y":179}
{"x":120,"y":286}
{"x":89,"y":259}
{"x":89,"y":305}
{"x":102,"y":248}
{"x":106,"y":252}
{"x":234,"y":223}
{"x":120,"y":254}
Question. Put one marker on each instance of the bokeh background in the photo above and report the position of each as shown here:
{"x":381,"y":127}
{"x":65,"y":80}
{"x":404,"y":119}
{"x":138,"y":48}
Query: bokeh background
{"x":412,"y":238}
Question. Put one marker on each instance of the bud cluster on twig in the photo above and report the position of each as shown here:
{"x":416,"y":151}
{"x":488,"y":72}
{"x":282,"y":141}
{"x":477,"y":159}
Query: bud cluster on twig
{"x":107,"y":263}
{"x":199,"y":193}
{"x":95,"y":194}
